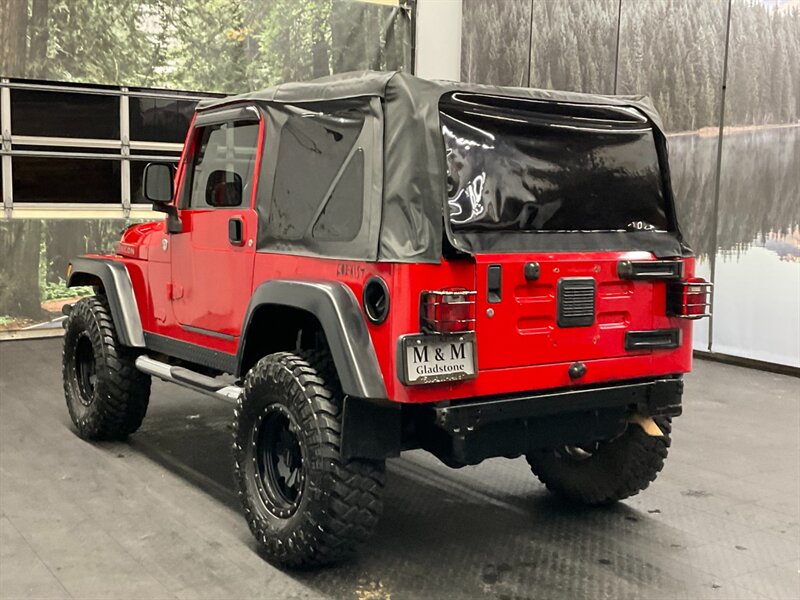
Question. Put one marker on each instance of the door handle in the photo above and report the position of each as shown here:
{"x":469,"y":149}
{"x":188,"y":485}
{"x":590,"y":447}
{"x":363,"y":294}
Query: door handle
{"x":236,"y":231}
{"x":494,"y":284}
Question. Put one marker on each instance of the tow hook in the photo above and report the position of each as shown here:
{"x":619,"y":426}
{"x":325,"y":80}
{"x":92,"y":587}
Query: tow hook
{"x":647,"y":424}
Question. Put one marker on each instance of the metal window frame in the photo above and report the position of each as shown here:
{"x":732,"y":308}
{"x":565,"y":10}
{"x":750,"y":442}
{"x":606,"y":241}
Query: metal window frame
{"x":125,"y":150}
{"x":110,"y":91}
{"x":119,"y":149}
{"x":5,"y":137}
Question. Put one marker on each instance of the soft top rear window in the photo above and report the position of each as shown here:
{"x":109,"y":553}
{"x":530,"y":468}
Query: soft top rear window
{"x":530,"y":165}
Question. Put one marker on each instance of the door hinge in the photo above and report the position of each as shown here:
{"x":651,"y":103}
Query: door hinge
{"x":174,"y":291}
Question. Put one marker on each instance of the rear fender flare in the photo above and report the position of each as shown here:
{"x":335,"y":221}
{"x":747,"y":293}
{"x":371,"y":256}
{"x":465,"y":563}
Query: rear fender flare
{"x":119,"y":291}
{"x":336,"y":308}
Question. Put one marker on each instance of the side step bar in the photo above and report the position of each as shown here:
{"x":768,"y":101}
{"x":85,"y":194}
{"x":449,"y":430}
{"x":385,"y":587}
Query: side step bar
{"x":189,"y":379}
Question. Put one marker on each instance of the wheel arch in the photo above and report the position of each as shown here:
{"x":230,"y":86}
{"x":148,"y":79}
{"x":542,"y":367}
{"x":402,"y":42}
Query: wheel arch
{"x":113,"y":278}
{"x":278,"y":306}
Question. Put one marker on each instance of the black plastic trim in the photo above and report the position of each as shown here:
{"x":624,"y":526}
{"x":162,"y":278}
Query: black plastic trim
{"x":208,"y":332}
{"x":376,"y":318}
{"x":494,"y":284}
{"x":580,"y":311}
{"x":245,"y":112}
{"x":199,"y":355}
{"x":650,"y":269}
{"x":652,"y":339}
{"x":370,"y":430}
{"x":336,"y":308}
{"x":531,"y":270}
{"x":235,"y":231}
{"x":119,"y":291}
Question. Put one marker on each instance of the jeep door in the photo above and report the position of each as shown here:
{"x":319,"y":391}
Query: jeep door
{"x":212,"y":258}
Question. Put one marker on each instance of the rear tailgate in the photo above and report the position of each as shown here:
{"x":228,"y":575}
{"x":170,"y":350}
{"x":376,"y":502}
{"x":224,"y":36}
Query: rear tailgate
{"x":524,"y":320}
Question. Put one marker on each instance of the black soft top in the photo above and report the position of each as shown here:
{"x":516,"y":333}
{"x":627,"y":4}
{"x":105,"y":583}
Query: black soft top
{"x":411,"y":223}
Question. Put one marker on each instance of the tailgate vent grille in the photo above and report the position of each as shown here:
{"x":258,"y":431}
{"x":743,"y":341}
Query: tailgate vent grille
{"x":576,"y":302}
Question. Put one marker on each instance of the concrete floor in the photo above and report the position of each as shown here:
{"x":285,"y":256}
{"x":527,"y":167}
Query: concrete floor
{"x":156,"y":517}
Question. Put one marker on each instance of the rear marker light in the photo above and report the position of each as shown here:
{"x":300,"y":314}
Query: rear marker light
{"x":690,"y":299}
{"x":652,"y":339}
{"x":650,"y":269}
{"x":447,"y":311}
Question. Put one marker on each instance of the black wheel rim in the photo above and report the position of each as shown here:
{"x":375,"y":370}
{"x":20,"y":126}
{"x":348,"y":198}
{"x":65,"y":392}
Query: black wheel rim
{"x":85,"y":369}
{"x":278,"y":461}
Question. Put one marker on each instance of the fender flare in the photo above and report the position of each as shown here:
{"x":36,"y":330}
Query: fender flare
{"x":336,"y":308}
{"x":119,"y":291}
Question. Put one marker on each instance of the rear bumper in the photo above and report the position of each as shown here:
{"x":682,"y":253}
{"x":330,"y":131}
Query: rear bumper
{"x":661,"y":397}
{"x":467,"y":432}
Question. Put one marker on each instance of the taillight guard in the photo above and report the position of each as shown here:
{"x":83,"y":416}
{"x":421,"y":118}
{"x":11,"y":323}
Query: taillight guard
{"x":690,"y":299}
{"x":447,"y":311}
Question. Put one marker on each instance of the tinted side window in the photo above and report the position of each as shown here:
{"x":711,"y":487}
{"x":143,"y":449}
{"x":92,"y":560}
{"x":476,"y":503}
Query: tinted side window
{"x":340,"y":219}
{"x":160,"y":119}
{"x":33,"y":177}
{"x":313,"y":150}
{"x":223,"y":162}
{"x":64,"y":114}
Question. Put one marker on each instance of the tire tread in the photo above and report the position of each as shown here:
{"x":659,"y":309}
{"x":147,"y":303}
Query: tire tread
{"x":349,"y":499}
{"x":120,"y":411}
{"x":620,"y":469}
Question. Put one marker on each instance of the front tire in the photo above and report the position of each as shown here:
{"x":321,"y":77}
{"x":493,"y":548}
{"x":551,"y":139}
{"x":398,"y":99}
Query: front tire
{"x":106,"y":394}
{"x":304,"y":505}
{"x":609,"y":472}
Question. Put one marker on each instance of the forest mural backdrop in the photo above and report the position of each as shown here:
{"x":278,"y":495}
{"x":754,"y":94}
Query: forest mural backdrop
{"x":737,"y":192}
{"x":746,"y":231}
{"x":227,"y":46}
{"x":671,"y":49}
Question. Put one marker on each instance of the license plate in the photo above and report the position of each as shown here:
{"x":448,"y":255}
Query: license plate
{"x":435,"y":358}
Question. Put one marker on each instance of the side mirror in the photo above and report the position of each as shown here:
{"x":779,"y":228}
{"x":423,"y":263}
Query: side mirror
{"x":158,"y":188}
{"x":158,"y":182}
{"x":224,"y":189}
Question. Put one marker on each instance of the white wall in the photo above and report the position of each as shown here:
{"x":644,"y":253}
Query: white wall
{"x":439,"y":39}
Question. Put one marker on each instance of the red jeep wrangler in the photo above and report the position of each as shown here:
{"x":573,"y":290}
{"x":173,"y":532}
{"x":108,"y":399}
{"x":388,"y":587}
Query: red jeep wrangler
{"x":373,"y":263}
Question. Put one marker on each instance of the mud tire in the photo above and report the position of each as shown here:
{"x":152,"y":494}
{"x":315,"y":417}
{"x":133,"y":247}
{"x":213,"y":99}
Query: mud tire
{"x":337,"y":505}
{"x":107,"y":396}
{"x":615,"y":470}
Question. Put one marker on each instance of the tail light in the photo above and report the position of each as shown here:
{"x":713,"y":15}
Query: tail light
{"x":690,"y":299}
{"x":447,"y":311}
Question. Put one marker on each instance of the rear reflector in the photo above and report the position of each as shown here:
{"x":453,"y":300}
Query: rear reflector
{"x":652,"y":339}
{"x":650,"y":269}
{"x":447,"y":311}
{"x":690,"y":299}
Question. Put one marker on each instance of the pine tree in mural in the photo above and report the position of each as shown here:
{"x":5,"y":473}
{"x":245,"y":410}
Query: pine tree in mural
{"x":206,"y":45}
{"x":670,"y":49}
{"x":495,"y":48}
